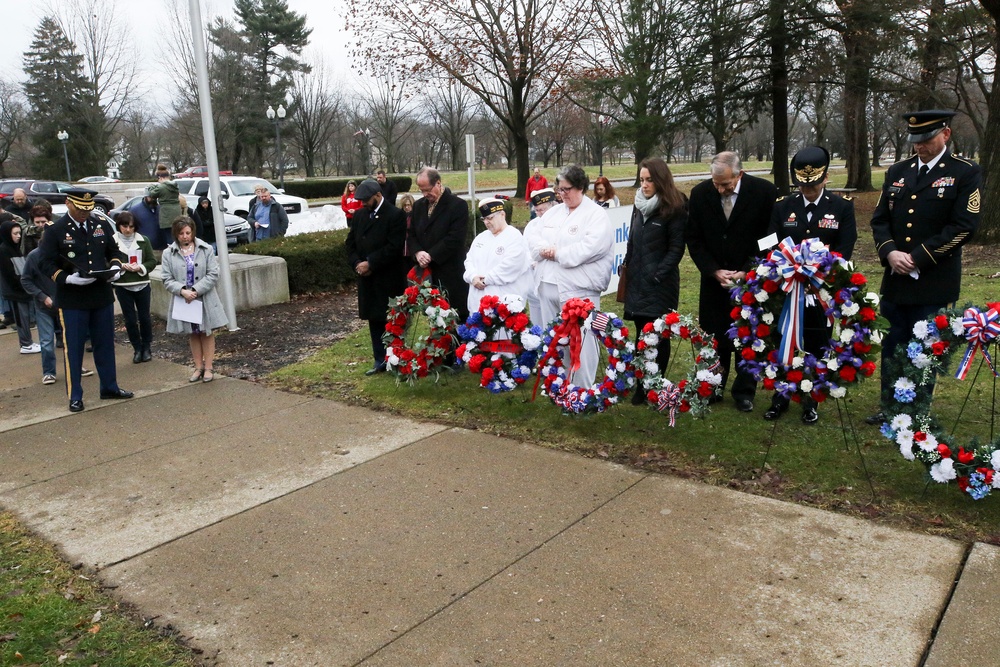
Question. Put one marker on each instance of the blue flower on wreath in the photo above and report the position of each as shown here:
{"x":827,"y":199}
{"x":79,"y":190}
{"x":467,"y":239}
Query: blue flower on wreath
{"x":978,"y":488}
{"x":932,"y":330}
{"x":887,"y":431}
{"x":914,"y":349}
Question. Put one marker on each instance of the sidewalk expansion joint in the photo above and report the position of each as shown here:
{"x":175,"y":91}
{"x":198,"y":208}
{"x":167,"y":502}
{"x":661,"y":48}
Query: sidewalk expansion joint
{"x":947,"y":603}
{"x":463,"y":595}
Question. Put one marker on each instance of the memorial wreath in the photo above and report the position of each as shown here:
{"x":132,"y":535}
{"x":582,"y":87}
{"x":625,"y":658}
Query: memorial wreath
{"x":619,"y":374}
{"x":500,"y":345}
{"x":693,"y":393}
{"x":974,"y":466}
{"x":767,"y":329}
{"x":417,"y":359}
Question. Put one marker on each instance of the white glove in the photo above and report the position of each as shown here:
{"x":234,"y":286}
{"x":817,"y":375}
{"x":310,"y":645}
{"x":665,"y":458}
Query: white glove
{"x":115,"y":276}
{"x":77,"y":279}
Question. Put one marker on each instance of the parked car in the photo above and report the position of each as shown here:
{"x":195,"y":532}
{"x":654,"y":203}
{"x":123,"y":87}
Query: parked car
{"x":238,"y":191}
{"x":98,"y":179}
{"x":237,"y":229}
{"x":51,"y":191}
{"x":194,"y":172}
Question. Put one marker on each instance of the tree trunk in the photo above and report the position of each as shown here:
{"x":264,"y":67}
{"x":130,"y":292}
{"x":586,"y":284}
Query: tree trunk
{"x":989,"y":223}
{"x":779,"y":94}
{"x":857,"y":78}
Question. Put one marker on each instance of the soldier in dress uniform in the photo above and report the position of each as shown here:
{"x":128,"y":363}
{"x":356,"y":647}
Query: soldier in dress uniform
{"x":928,"y":210}
{"x":812,"y":213}
{"x":79,"y":252}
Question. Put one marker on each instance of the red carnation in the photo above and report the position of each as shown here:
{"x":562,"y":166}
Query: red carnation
{"x":460,"y":352}
{"x":868,"y":368}
{"x":794,"y":376}
{"x":919,"y":436}
{"x":848,"y":373}
{"x":652,"y":397}
{"x":963,"y":483}
{"x":964,"y":456}
{"x":867,"y":314}
{"x":743,"y":332}
{"x":858,"y":279}
{"x":987,"y":474}
{"x":748,"y":299}
{"x":682,"y":384}
{"x":476,"y":363}
{"x":486,"y":377}
{"x":734,"y":314}
{"x":672,"y":318}
{"x":705,"y":390}
{"x":941,"y":322}
{"x":994,"y":306}
{"x":768,"y":384}
{"x":748,"y":354}
{"x":770,"y":286}
{"x":685,"y":406}
{"x":763,"y":331}
{"x":862,"y":348}
{"x":519,"y":323}
{"x":751,"y":275}
{"x":818,"y":396}
{"x":648,"y":328}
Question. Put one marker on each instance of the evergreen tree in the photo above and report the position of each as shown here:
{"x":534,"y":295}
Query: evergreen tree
{"x":56,"y":89}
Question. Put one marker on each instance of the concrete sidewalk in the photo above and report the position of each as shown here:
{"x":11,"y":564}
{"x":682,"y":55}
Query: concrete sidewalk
{"x":272,"y":528}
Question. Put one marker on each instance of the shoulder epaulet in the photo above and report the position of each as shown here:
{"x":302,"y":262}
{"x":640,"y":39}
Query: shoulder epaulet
{"x":962,"y":159}
{"x":780,"y":198}
{"x":847,"y":197}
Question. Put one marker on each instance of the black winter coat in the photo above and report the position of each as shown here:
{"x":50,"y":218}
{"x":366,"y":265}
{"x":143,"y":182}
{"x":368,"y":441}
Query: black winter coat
{"x":442,"y":236}
{"x":378,"y":239}
{"x":655,"y":249}
{"x":10,"y":281}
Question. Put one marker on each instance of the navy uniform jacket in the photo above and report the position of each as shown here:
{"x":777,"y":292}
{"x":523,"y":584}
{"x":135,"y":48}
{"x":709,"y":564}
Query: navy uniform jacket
{"x":931,"y":220}
{"x":377,"y":238}
{"x":832,"y":222}
{"x":716,"y":243}
{"x":65,"y":250}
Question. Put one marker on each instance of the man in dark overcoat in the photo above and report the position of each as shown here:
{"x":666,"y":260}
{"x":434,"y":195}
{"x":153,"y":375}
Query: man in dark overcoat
{"x":728,"y":214}
{"x":375,"y":252}
{"x":437,"y":238}
{"x":812,"y":213}
{"x":929,"y":209}
{"x":81,"y":256}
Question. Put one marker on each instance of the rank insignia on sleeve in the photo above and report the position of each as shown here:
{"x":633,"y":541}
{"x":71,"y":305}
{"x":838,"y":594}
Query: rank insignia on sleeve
{"x":974,"y":202}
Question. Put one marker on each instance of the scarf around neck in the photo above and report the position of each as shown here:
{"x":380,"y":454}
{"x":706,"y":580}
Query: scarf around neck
{"x":646,"y":206}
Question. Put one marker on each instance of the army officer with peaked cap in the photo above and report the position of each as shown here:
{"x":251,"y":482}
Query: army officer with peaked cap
{"x":928,"y":210}
{"x":79,"y":252}
{"x":812,"y":213}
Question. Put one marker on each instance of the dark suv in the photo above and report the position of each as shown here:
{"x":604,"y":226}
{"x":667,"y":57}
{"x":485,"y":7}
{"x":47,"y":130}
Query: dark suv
{"x":51,"y":191}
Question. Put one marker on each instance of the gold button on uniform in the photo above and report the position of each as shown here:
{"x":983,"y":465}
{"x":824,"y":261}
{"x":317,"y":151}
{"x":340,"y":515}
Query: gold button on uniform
{"x":907,"y":239}
{"x":911,"y":211}
{"x":913,"y":196}
{"x":909,"y":224}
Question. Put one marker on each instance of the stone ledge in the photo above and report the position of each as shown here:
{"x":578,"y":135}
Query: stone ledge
{"x":257,"y":281}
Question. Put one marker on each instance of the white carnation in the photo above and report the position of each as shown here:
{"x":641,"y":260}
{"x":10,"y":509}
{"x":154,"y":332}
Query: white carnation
{"x":995,"y":460}
{"x":956,"y":327}
{"x":758,"y":345}
{"x":429,"y":312}
{"x":745,"y":313}
{"x":920,"y":329}
{"x":847,"y":336}
{"x":943,"y":471}
{"x":620,"y":366}
{"x":763,"y":270}
{"x":703,"y":375}
{"x":838,"y":392}
{"x":708,"y":353}
{"x":651,"y":368}
{"x":481,"y":336}
{"x":825,"y":295}
{"x":770,"y":372}
{"x":850,"y":309}
{"x":530,"y":341}
{"x":514,"y":302}
{"x":872,"y":298}
{"x":806,"y":385}
{"x":901,"y":420}
{"x":715,"y":379}
{"x":797,"y":362}
{"x":877,"y":337}
{"x":906,"y":451}
{"x":833,"y":364}
{"x":761,"y":296}
{"x":617,"y":334}
{"x":816,"y":245}
{"x":767,"y":318}
{"x":612,"y":374}
{"x":922,"y":361}
{"x":659,"y":326}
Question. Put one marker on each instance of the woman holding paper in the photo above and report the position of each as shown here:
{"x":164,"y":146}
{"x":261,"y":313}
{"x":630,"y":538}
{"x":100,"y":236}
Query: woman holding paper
{"x":132,"y":288}
{"x":190,"y":272}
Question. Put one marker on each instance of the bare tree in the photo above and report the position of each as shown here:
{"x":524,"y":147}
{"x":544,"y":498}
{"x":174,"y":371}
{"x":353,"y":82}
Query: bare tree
{"x":316,"y":115}
{"x":391,"y":118}
{"x":452,"y":109}
{"x":13,"y":115}
{"x":506,"y":52}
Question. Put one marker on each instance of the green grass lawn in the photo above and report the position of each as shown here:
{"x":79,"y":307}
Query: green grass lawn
{"x":817,"y":465}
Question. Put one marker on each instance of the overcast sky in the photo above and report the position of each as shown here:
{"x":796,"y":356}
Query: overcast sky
{"x":146,"y":18}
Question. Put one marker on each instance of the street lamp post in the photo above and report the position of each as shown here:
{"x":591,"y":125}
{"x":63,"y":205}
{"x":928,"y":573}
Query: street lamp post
{"x":601,"y":122}
{"x":277,"y":118}
{"x":63,"y":136}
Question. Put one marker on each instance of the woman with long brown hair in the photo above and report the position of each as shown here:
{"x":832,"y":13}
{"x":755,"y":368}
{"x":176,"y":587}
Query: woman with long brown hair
{"x":655,"y":249}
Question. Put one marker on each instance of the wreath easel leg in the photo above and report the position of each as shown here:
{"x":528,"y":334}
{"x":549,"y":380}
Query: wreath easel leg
{"x":857,"y":443}
{"x":767,"y":452}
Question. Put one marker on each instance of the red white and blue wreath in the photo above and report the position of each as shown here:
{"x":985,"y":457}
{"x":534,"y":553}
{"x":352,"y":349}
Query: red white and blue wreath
{"x":619,"y":374}
{"x":691,"y":394}
{"x":499,"y":344}
{"x":767,"y":329}
{"x":974,"y":466}
{"x":416,"y":359}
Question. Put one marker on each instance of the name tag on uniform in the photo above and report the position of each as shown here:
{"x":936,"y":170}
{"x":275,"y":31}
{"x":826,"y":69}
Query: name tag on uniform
{"x":791,"y":222}
{"x":829,"y":222}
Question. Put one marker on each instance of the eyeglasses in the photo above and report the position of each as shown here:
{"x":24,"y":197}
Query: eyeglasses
{"x":562,"y":190}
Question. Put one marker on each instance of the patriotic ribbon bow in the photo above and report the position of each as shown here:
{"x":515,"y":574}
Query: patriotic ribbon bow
{"x":980,"y":330}
{"x":574,"y":312}
{"x":798,"y":267}
{"x":669,"y":398}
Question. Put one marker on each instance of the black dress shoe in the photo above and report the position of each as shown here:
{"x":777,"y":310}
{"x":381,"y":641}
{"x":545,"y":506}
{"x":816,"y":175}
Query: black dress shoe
{"x":744,"y":405}
{"x":146,"y":354}
{"x":639,"y":397}
{"x":377,"y":368}
{"x":117,"y":393}
{"x":774,"y":413}
{"x":714,"y":398}
{"x":137,"y":357}
{"x":810,"y":416}
{"x":76,"y":406}
{"x":876,"y":419}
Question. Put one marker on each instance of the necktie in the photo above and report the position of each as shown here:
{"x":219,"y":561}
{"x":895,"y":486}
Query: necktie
{"x":923,"y":172}
{"x":810,"y":209}
{"x":727,"y":205}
